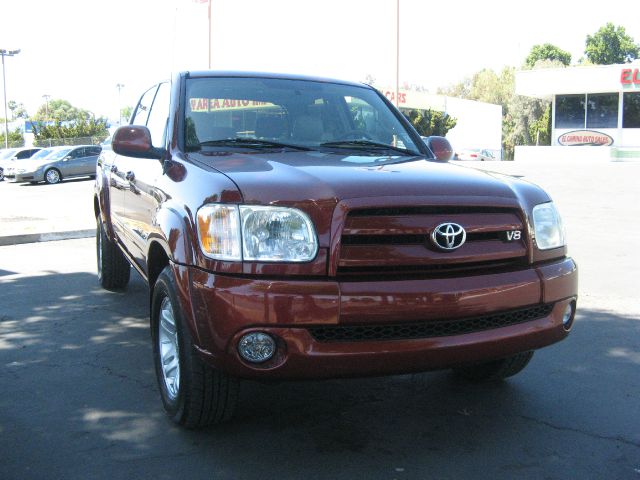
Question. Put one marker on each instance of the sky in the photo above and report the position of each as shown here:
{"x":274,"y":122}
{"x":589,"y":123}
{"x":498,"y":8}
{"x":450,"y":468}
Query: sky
{"x":80,"y":50}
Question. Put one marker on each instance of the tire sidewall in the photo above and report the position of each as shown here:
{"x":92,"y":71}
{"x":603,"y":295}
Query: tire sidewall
{"x":165,"y":287}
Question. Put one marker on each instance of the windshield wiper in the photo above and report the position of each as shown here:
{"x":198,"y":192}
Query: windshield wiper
{"x":368,"y":144}
{"x":250,"y":143}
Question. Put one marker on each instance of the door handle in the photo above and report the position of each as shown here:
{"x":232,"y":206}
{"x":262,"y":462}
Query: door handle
{"x":130,"y":176}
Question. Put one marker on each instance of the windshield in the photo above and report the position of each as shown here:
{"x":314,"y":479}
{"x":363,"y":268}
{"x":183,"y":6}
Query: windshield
{"x":60,"y":154}
{"x":42,"y":153}
{"x":281,"y":113}
{"x":7,"y":153}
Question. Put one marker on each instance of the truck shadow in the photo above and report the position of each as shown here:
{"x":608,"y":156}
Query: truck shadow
{"x":82,"y":398}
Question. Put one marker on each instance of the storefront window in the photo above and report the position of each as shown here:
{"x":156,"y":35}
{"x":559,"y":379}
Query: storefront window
{"x":631,"y":110}
{"x":570,"y":111}
{"x":602,"y":110}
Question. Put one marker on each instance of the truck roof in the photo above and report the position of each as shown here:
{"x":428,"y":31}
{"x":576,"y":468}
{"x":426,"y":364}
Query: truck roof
{"x":249,"y":74}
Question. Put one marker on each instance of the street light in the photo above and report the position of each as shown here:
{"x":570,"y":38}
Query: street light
{"x":119,"y":86}
{"x":6,"y":53}
{"x":46,"y":106}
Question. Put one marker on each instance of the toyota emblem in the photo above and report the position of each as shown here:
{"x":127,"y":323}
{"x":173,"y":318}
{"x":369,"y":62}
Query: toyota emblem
{"x":448,"y":236}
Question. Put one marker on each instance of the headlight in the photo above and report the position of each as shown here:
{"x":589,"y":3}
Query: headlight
{"x":277,"y":234}
{"x":256,"y":233}
{"x":548,"y":227}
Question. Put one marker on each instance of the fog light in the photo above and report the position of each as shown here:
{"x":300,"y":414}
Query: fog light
{"x":569,"y":315}
{"x":256,"y":347}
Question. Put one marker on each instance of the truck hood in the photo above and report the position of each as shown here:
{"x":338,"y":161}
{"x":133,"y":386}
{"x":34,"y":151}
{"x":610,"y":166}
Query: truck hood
{"x":299,"y":176}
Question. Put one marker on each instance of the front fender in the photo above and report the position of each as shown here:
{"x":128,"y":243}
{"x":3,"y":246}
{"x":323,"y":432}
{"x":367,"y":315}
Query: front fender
{"x":173,"y":236}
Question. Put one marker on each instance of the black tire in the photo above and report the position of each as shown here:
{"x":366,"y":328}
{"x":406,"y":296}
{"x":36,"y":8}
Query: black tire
{"x":52,"y":176}
{"x":201,"y":396}
{"x":113,"y":268}
{"x":495,"y":370}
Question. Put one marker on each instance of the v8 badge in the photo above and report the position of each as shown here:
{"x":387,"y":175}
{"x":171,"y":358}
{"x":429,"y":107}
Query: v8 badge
{"x":514,"y":235}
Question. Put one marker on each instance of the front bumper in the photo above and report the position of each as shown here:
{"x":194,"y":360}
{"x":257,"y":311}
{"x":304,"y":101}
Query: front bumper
{"x":24,"y":177}
{"x":220,"y":309}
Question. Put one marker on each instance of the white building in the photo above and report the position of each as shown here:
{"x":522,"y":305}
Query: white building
{"x":594,"y":106}
{"x":479,"y":124}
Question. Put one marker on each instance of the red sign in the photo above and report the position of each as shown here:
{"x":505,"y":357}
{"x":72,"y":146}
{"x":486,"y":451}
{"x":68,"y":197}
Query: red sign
{"x":402,"y":97}
{"x":585,"y":138}
{"x":212,"y":104}
{"x":630,"y":76}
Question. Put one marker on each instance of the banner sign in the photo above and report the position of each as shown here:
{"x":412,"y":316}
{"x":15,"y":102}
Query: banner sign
{"x":213,"y":104}
{"x":585,"y":138}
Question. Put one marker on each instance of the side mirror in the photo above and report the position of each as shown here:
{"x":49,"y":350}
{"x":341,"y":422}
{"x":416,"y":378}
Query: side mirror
{"x":134,"y":141}
{"x":440,"y":147}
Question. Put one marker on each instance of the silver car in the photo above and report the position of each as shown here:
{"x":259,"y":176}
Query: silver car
{"x":60,"y":163}
{"x":7,"y":157}
{"x":475,"y":154}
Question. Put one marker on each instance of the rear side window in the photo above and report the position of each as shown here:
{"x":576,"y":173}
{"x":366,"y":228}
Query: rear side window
{"x":25,"y":154}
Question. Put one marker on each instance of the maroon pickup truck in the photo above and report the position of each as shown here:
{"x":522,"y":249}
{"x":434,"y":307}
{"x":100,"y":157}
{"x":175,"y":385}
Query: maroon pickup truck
{"x":300,"y":228}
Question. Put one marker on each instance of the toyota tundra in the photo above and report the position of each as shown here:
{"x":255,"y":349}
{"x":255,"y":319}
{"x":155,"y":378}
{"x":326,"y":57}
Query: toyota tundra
{"x":299,"y":228}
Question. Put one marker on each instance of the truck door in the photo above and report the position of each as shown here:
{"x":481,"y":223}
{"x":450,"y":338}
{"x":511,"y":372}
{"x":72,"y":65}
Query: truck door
{"x":141,"y":193}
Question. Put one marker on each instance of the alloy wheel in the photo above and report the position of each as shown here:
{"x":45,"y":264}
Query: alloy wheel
{"x":169,"y":349}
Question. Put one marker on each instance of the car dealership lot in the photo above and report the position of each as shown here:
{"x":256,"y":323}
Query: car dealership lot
{"x":81,"y":401}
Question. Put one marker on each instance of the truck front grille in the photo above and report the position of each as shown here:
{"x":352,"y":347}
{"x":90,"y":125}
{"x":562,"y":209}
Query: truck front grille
{"x":397,"y":241}
{"x":428,"y":329}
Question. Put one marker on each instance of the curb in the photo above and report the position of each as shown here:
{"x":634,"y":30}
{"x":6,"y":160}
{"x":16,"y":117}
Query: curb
{"x":46,"y":237}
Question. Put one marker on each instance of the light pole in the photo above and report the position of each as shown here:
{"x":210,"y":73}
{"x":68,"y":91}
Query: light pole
{"x":119,"y":86}
{"x":46,"y":106}
{"x":6,"y":53}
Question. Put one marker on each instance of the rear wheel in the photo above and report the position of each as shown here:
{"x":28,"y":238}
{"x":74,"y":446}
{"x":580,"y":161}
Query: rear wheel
{"x":194,"y":395}
{"x":495,"y":370}
{"x":52,"y":176}
{"x":113,"y":268}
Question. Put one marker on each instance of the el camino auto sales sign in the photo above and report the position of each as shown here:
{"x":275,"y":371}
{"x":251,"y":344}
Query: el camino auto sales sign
{"x":584,"y":138}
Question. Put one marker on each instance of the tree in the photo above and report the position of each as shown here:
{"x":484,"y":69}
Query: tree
{"x":17,"y":110}
{"x":61,"y":111}
{"x":125,"y":113}
{"x":16,"y":138}
{"x":611,"y":45}
{"x":547,"y":51}
{"x":90,"y":127}
{"x":430,"y":122}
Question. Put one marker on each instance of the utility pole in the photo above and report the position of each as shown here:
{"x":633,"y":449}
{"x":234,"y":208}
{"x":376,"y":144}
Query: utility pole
{"x":209,"y":18}
{"x":6,"y":53}
{"x":397,"y":52}
{"x":46,"y":106}
{"x":119,"y":86}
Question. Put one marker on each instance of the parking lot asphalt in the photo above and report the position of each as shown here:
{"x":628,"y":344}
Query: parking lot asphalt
{"x":36,"y":213}
{"x":80,"y":399}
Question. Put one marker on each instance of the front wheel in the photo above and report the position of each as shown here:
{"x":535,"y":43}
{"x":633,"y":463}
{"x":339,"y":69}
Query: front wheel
{"x":52,"y":176}
{"x":495,"y":370}
{"x":193,"y":394}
